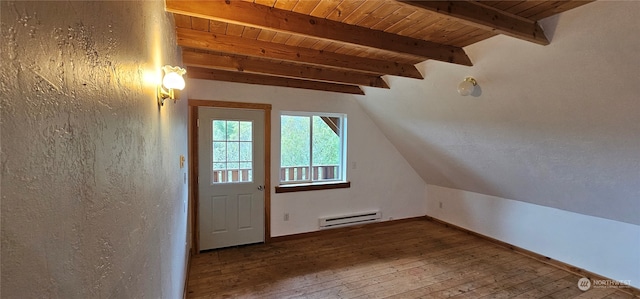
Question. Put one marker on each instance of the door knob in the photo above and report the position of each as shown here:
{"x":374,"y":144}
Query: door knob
{"x":260,"y":187}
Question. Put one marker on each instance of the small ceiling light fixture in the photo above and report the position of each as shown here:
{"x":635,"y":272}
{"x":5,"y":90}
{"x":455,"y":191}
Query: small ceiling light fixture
{"x":467,"y":86}
{"x":171,"y":80}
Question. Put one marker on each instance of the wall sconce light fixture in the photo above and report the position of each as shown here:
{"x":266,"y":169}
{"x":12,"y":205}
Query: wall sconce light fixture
{"x":467,"y":86}
{"x":171,"y":80}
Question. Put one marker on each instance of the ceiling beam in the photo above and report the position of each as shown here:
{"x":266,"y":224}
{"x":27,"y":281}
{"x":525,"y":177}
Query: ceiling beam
{"x":265,"y":17}
{"x":228,"y":76}
{"x":243,"y":46}
{"x":485,"y":17}
{"x":265,"y":66}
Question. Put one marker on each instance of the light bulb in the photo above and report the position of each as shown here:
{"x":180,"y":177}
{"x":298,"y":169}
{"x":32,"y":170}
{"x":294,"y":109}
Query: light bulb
{"x":467,"y":86}
{"x":173,"y":80}
{"x":173,"y":77}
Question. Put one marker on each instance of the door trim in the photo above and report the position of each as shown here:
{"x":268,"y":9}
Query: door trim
{"x":193,"y":163}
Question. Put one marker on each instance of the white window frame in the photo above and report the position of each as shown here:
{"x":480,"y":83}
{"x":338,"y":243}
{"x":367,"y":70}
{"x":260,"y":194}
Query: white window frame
{"x":343,"y":146}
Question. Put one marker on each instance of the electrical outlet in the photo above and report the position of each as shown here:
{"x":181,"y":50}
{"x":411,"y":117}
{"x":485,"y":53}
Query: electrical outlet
{"x":441,"y":205}
{"x":286,"y":216}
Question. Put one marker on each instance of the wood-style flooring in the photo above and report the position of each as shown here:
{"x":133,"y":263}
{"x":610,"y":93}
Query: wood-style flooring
{"x":411,"y":259}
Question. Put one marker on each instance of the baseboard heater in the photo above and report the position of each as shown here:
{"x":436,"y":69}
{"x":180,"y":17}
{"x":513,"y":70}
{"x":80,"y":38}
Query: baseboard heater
{"x":346,"y":220}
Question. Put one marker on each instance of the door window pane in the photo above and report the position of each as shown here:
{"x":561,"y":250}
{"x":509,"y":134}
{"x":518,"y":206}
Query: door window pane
{"x":233,"y":131}
{"x":219,"y":151}
{"x":245,"y":130}
{"x":219,"y":130}
{"x":233,"y":151}
{"x":232,"y":158}
{"x":245,"y":151}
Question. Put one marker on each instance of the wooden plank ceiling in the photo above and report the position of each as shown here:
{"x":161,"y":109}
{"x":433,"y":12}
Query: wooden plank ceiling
{"x":340,"y":45}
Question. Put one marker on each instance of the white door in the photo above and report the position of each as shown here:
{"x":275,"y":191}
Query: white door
{"x":231,"y":177}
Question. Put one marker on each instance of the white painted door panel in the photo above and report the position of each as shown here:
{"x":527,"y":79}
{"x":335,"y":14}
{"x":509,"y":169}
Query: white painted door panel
{"x":231,"y":177}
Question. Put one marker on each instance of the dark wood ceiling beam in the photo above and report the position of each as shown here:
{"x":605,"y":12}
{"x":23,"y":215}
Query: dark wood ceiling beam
{"x":263,"y":66}
{"x":231,"y":44}
{"x":485,"y":17}
{"x":255,"y":15}
{"x":239,"y":77}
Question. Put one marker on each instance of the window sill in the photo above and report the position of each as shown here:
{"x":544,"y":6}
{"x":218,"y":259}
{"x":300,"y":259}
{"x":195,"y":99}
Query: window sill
{"x":312,"y":187}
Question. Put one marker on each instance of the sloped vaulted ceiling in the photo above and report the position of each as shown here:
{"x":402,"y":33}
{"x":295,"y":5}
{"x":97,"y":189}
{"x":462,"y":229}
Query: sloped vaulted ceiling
{"x":340,"y":45}
{"x":557,"y":126}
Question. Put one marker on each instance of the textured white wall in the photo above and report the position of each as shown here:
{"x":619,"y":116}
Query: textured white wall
{"x":606,"y":247}
{"x":555,"y":125}
{"x":382,"y":180}
{"x":92,"y":192}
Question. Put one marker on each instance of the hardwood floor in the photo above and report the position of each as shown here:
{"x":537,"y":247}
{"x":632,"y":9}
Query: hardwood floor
{"x":413,"y":259}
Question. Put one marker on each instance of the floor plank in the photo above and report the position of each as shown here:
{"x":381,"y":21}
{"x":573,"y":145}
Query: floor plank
{"x":412,"y":259}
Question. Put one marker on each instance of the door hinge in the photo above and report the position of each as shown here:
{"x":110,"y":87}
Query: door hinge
{"x":198,"y":123}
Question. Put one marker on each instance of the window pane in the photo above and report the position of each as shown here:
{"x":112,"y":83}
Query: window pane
{"x":219,"y":151}
{"x":219,"y":130}
{"x":326,"y":141}
{"x":227,"y":151}
{"x":232,"y":176}
{"x":245,"y":151}
{"x":217,"y":176}
{"x":312,"y":154}
{"x":326,"y":148}
{"x":295,"y":141}
{"x":233,"y":130}
{"x":233,"y":151}
{"x":245,"y":130}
